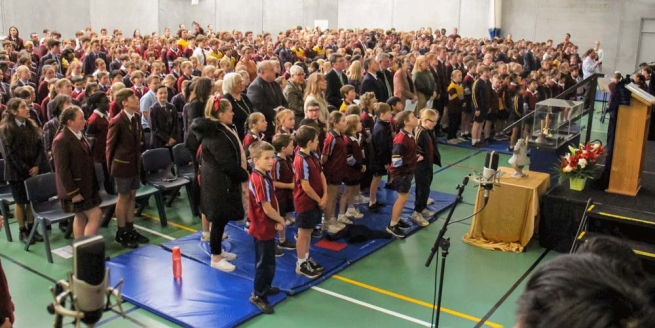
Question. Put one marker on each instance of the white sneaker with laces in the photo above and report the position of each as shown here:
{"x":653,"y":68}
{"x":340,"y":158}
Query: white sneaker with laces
{"x":333,"y":226}
{"x":205,"y":236}
{"x":228,"y":256}
{"x":427,"y":213}
{"x":418,"y":219}
{"x":223,"y":265}
{"x":354,"y":213}
{"x":359,"y":199}
{"x":430,"y":201}
{"x":343,"y":219}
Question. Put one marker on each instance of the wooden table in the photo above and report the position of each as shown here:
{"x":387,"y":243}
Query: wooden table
{"x":508,"y":221}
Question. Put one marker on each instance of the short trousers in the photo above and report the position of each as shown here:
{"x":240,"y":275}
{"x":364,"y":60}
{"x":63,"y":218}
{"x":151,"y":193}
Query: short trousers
{"x":402,"y":183}
{"x":126,"y":185}
{"x":308,"y":220}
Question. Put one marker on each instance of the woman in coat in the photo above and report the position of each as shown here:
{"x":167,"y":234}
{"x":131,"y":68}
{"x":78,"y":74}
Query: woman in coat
{"x":233,"y":88}
{"x":24,"y":154}
{"x":403,"y":86}
{"x":424,"y":83}
{"x":222,"y":173}
{"x":77,"y":185}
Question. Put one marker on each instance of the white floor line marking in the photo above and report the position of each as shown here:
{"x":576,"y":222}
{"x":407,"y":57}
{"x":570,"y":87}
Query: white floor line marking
{"x":373,"y":307}
{"x":152,"y":231}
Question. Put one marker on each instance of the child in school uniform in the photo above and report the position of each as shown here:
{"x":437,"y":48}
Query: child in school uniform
{"x":333,"y":158}
{"x":467,"y":111}
{"x":403,"y":165}
{"x":256,"y":126}
{"x":136,"y":78}
{"x":285,"y":121}
{"x":519,"y":107}
{"x":355,"y":168}
{"x":163,"y":121}
{"x":282,"y":174}
{"x":456,"y":103}
{"x":426,"y":143}
{"x":309,"y":197}
{"x":382,"y":145}
{"x":265,"y":222}
{"x":349,"y":94}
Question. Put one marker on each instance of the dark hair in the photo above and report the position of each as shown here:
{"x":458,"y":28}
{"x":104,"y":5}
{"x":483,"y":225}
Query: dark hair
{"x":305,"y":134}
{"x":614,"y":249}
{"x":334,"y":118}
{"x":161,"y":86}
{"x":402,"y":117}
{"x":334,"y":58}
{"x":23,"y":93}
{"x":122,"y":95}
{"x":68,"y":114}
{"x":280,"y":141}
{"x":584,"y":290}
{"x":95,"y":98}
{"x":10,"y":130}
{"x":393,"y":101}
{"x":58,"y":102}
{"x":202,"y":89}
{"x":114,"y":73}
{"x":366,"y":63}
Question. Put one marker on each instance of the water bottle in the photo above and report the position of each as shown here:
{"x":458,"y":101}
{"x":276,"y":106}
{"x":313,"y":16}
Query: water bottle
{"x":177,"y":263}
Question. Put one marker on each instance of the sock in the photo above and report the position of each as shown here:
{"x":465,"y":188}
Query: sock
{"x":392,"y":224}
{"x":301,"y":261}
{"x":129,"y":226}
{"x":306,"y":256}
{"x":281,"y":240}
{"x":22,"y":229}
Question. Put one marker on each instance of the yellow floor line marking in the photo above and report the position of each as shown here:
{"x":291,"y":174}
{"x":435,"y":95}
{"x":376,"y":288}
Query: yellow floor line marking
{"x":643,"y":253}
{"x":625,"y":218}
{"x":172,"y":224}
{"x":413,"y":300}
{"x":591,"y":207}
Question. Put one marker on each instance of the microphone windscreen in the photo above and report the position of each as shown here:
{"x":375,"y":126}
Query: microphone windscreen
{"x":89,"y":259}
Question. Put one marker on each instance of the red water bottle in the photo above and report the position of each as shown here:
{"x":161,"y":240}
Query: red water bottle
{"x":177,"y":263}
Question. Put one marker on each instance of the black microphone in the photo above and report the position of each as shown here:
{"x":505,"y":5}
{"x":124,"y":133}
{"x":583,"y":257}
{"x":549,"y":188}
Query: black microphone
{"x":89,"y":277}
{"x":489,"y":173}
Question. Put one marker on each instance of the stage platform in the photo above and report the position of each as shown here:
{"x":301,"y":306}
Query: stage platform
{"x":630,"y":218}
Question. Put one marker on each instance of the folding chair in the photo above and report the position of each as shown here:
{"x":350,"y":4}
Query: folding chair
{"x":42,"y":194}
{"x":184,"y":167}
{"x":158,"y":166}
{"x":6,"y":199}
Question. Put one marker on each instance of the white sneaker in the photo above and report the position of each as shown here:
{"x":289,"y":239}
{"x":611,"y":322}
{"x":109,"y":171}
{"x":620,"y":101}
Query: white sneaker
{"x":343,"y":219}
{"x":223,"y":265}
{"x":427,"y":213}
{"x":228,"y":256}
{"x":333,"y":226}
{"x":418,"y":219}
{"x":359,"y":199}
{"x":205,"y":236}
{"x":430,"y":201}
{"x":289,"y":219}
{"x":354,"y":213}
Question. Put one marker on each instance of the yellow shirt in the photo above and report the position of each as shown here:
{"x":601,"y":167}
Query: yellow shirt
{"x":319,"y":51}
{"x":218,"y":54}
{"x":343,"y":107}
{"x":298,"y":51}
{"x":182,"y":43}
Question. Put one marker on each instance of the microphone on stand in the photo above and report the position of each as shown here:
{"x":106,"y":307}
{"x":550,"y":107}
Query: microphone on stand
{"x":489,"y":173}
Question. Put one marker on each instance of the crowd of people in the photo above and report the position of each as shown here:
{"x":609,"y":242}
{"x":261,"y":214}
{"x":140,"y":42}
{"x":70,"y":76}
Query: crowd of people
{"x":275,"y":124}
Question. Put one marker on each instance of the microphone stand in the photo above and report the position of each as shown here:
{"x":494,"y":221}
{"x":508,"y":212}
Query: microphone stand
{"x":444,"y":244}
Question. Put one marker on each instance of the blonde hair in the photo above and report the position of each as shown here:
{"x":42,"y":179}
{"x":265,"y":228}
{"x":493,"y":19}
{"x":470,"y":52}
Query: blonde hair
{"x":313,"y":87}
{"x":118,"y":86}
{"x":254,"y":118}
{"x":352,"y":121}
{"x":366,"y":100}
{"x":281,"y":116}
{"x":212,"y":114}
{"x":417,"y":65}
{"x":355,"y":71}
{"x":334,"y":118}
{"x":21,"y":69}
{"x":429,"y":114}
{"x":218,"y":87}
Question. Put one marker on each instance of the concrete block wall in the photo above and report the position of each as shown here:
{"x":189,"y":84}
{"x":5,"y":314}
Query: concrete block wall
{"x":615,"y":23}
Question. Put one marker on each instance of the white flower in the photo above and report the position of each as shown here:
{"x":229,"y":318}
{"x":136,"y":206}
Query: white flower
{"x":582,"y":162}
{"x":568,"y":169}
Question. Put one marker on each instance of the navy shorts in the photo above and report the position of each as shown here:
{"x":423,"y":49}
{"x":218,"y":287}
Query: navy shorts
{"x":480,"y":118}
{"x":308,"y":220}
{"x":286,"y":206}
{"x":403,"y":183}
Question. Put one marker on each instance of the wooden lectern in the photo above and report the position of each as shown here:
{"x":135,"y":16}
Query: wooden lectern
{"x":631,"y":137}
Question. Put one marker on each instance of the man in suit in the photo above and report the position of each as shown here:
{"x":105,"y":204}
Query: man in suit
{"x":529,"y":62}
{"x":336,"y":79}
{"x":384,"y":74}
{"x":89,"y":63}
{"x":266,"y":95}
{"x":124,"y":143}
{"x":371,"y":81}
{"x":54,"y":50}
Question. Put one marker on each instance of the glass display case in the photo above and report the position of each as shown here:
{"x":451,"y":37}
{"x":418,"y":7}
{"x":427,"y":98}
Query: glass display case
{"x":552,"y":124}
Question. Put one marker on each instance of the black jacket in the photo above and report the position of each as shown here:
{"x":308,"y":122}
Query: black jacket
{"x":375,"y":85}
{"x":333,"y":88}
{"x":265,"y":97}
{"x":221,"y":173}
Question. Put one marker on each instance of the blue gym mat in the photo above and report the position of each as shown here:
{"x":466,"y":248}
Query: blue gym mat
{"x":203,"y":297}
{"x":242,"y":244}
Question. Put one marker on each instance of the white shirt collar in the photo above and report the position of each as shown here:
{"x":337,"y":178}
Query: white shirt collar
{"x":129,"y":116}
{"x":78,"y":135}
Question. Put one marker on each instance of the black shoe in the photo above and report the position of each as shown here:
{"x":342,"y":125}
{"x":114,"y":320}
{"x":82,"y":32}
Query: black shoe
{"x":37,"y":237}
{"x":315,"y":265}
{"x":139,"y":238}
{"x":125,"y":239}
{"x":24,"y":236}
{"x":466,"y":136}
{"x":307,"y":270}
{"x":63,"y":226}
{"x":374,"y":208}
{"x":287,"y":244}
{"x":262,"y":304}
{"x":510,"y":149}
{"x":403,"y":225}
{"x":478,"y":145}
{"x":278,"y":252}
{"x":273,"y":291}
{"x":396,"y":231}
{"x":317,"y":233}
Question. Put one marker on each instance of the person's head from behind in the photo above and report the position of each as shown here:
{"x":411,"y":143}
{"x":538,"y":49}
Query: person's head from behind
{"x":383,"y":111}
{"x":612,"y":248}
{"x":99,"y":101}
{"x":127,"y":100}
{"x":353,"y":125}
{"x":59,"y":103}
{"x":584,"y":290}
{"x":262,"y":154}
{"x":219,"y":110}
{"x":283,"y":144}
{"x":396,"y":104}
{"x":307,"y":138}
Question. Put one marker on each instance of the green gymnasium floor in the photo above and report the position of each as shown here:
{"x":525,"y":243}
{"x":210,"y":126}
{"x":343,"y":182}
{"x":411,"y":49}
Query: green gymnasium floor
{"x":389,"y":288}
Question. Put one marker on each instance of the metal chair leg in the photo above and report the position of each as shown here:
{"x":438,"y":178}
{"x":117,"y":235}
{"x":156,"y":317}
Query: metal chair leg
{"x":37,"y":221}
{"x":159,"y":199}
{"x":46,"y":239}
{"x":4,"y":208}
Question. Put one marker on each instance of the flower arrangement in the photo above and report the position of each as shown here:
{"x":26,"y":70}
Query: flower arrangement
{"x":580,"y":162}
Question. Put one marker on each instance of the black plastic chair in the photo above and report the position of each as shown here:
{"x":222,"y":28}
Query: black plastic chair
{"x":6,"y":199}
{"x":183,"y":162}
{"x":42,"y":194}
{"x":159,"y":167}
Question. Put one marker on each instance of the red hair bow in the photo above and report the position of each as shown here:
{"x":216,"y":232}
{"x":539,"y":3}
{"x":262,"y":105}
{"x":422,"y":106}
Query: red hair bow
{"x":217,"y":103}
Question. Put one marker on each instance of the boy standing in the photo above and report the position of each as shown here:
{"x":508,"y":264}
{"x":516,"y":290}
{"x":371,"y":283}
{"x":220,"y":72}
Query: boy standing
{"x":282,"y":174}
{"x":265,"y":221}
{"x":382,"y":143}
{"x":310,"y":197}
{"x":403,"y":165}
